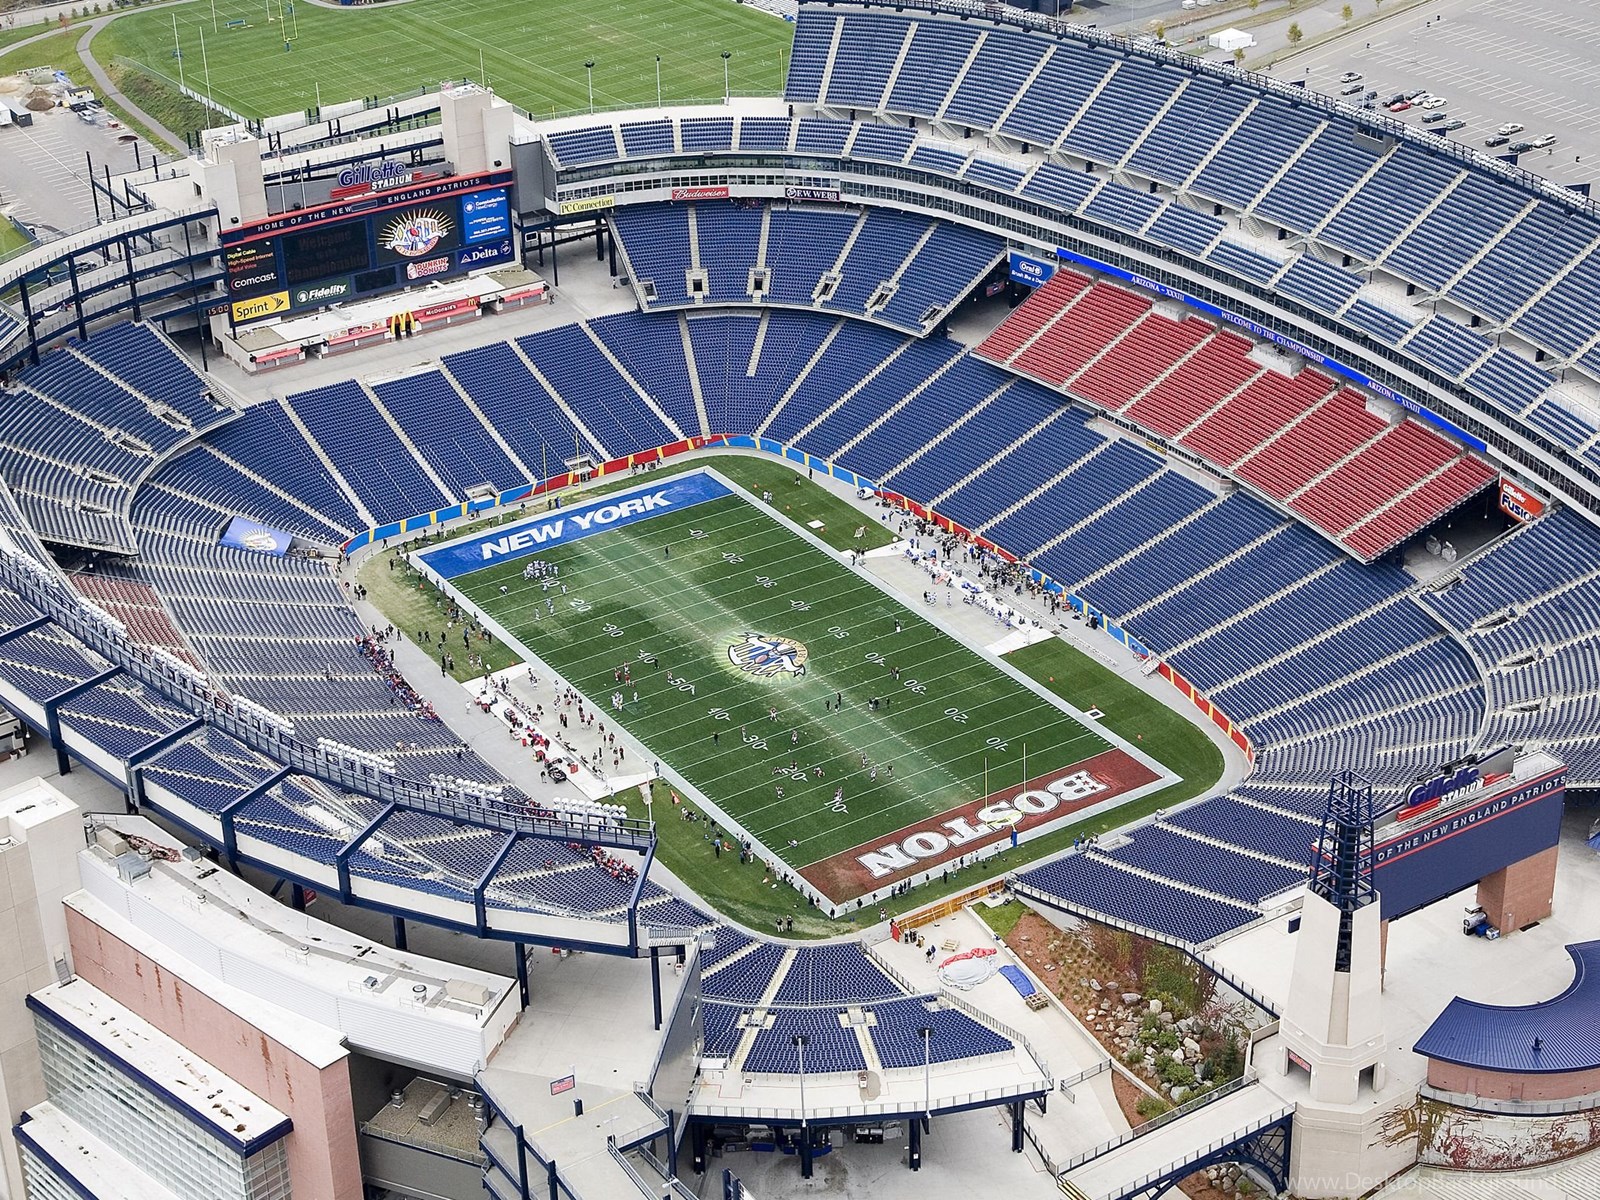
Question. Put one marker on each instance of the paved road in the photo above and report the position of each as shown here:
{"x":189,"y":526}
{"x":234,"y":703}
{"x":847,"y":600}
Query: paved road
{"x":102,"y":81}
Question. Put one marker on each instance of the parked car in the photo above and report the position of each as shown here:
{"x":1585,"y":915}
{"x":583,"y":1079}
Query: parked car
{"x":1509,"y":128}
{"x":1417,"y":94}
{"x":1353,"y":90}
{"x":1434,"y":118}
{"x":1372,"y":95}
{"x":1400,"y":106}
{"x":1499,"y":139}
{"x":1395,"y":99}
{"x":1543,"y":140}
{"x":1452,"y":126}
{"x":1435,"y":102}
{"x":1350,"y":77}
{"x":1519,"y":146}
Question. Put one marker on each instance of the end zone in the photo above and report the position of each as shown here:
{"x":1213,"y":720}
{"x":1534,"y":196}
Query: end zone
{"x":559,"y":526}
{"x":1044,"y":803}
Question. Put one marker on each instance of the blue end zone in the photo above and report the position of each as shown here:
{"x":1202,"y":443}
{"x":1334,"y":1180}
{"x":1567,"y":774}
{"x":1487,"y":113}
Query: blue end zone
{"x":564,"y":525}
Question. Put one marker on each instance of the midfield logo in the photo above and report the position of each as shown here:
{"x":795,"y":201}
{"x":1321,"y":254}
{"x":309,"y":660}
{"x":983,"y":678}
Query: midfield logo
{"x":763,"y":655}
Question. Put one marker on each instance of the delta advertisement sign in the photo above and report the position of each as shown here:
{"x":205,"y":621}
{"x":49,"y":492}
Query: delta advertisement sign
{"x":1415,"y":865}
{"x":978,"y":824}
{"x":1291,"y":344}
{"x":563,"y":525}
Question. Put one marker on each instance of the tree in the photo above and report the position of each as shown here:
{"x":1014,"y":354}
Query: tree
{"x":1294,"y":34}
{"x":1254,"y":4}
{"x":1160,"y":31}
{"x":1238,"y":57}
{"x":1347,"y":12}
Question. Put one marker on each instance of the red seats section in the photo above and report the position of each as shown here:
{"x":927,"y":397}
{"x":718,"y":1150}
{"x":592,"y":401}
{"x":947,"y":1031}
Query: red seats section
{"x":1180,"y":399}
{"x":1151,"y":348}
{"x":1397,"y":479}
{"x":1254,"y":415}
{"x":1439,"y":495}
{"x":1081,"y":332}
{"x":138,"y":607}
{"x":1333,"y":429}
{"x":1398,"y":461}
{"x":1060,"y":290}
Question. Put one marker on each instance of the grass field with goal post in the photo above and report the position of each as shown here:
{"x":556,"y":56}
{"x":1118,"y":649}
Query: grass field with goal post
{"x":264,"y":57}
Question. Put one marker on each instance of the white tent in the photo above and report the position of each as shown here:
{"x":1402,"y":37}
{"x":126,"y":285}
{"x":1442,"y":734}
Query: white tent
{"x":1231,"y":40}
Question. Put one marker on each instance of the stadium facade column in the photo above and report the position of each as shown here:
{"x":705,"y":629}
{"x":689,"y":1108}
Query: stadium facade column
{"x":522,"y":972}
{"x":914,"y":1147}
{"x":52,"y":713}
{"x":399,"y":932}
{"x":1019,"y":1114}
{"x":297,"y":897}
{"x":655,"y":983}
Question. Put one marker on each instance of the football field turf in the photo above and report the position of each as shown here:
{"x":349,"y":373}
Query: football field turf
{"x":264,"y":57}
{"x":723,"y":615}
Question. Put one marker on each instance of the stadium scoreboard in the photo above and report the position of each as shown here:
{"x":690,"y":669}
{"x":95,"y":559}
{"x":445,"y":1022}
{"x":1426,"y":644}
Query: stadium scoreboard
{"x":366,"y":245}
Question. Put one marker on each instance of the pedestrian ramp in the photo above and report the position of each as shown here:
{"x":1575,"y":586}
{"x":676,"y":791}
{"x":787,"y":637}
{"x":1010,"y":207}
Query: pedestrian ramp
{"x":1250,"y":1124}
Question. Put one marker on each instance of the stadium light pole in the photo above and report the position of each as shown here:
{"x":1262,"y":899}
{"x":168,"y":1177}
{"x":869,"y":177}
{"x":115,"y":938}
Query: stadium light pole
{"x":589,"y":67}
{"x":927,"y":1059}
{"x":658,"y":81}
{"x":205,"y":63}
{"x":726,"y":55}
{"x":800,"y":1049}
{"x":177,"y":52}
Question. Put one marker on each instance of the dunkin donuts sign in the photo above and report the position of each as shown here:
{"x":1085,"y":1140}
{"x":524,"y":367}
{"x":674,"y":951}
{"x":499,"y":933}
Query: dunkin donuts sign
{"x":1045,"y":800}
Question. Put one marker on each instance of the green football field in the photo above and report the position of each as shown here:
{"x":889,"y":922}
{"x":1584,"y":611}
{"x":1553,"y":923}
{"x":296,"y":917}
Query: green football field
{"x":947,"y":718}
{"x":532,"y":52}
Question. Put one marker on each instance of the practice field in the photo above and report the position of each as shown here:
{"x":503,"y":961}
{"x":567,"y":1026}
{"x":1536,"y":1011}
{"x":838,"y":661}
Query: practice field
{"x":845,"y":733}
{"x":263,"y":57}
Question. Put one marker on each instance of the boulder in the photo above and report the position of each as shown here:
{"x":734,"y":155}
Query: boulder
{"x":1154,"y":1005}
{"x":1131,"y":997}
{"x":1178,"y":1093}
{"x":1192,"y":1046}
{"x":1094,"y":985}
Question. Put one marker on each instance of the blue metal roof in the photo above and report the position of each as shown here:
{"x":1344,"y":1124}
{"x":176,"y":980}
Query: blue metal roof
{"x":1566,"y":1028}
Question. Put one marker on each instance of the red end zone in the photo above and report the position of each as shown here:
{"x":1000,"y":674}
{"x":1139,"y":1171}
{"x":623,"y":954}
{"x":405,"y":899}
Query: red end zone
{"x":960,"y":831}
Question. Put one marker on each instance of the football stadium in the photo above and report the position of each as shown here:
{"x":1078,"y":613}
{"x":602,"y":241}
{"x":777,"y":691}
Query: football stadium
{"x":945,"y":601}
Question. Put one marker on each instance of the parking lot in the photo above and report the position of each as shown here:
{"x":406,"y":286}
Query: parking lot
{"x":1535,"y":62}
{"x":42,"y":167}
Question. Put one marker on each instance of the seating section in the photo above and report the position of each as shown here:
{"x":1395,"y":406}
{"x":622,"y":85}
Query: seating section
{"x":1405,"y":203}
{"x":900,"y":269}
{"x":80,"y":428}
{"x":1095,"y":884}
{"x":806,"y":993}
{"x":1333,"y":462}
{"x":382,"y":470}
{"x":456,"y":444}
{"x":1522,"y":609}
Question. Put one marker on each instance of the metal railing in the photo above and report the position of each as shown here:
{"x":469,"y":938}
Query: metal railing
{"x":869,"y":1108}
{"x":1100,"y":1068}
{"x":1515,"y":1108}
{"x":1165,"y":1119}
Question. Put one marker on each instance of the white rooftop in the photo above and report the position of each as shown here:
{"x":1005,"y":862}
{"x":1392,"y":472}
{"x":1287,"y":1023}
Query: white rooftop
{"x":88,"y":1160}
{"x":235,"y":1113}
{"x":319,"y":1044}
{"x":29,"y":803}
{"x":394,"y":1004}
